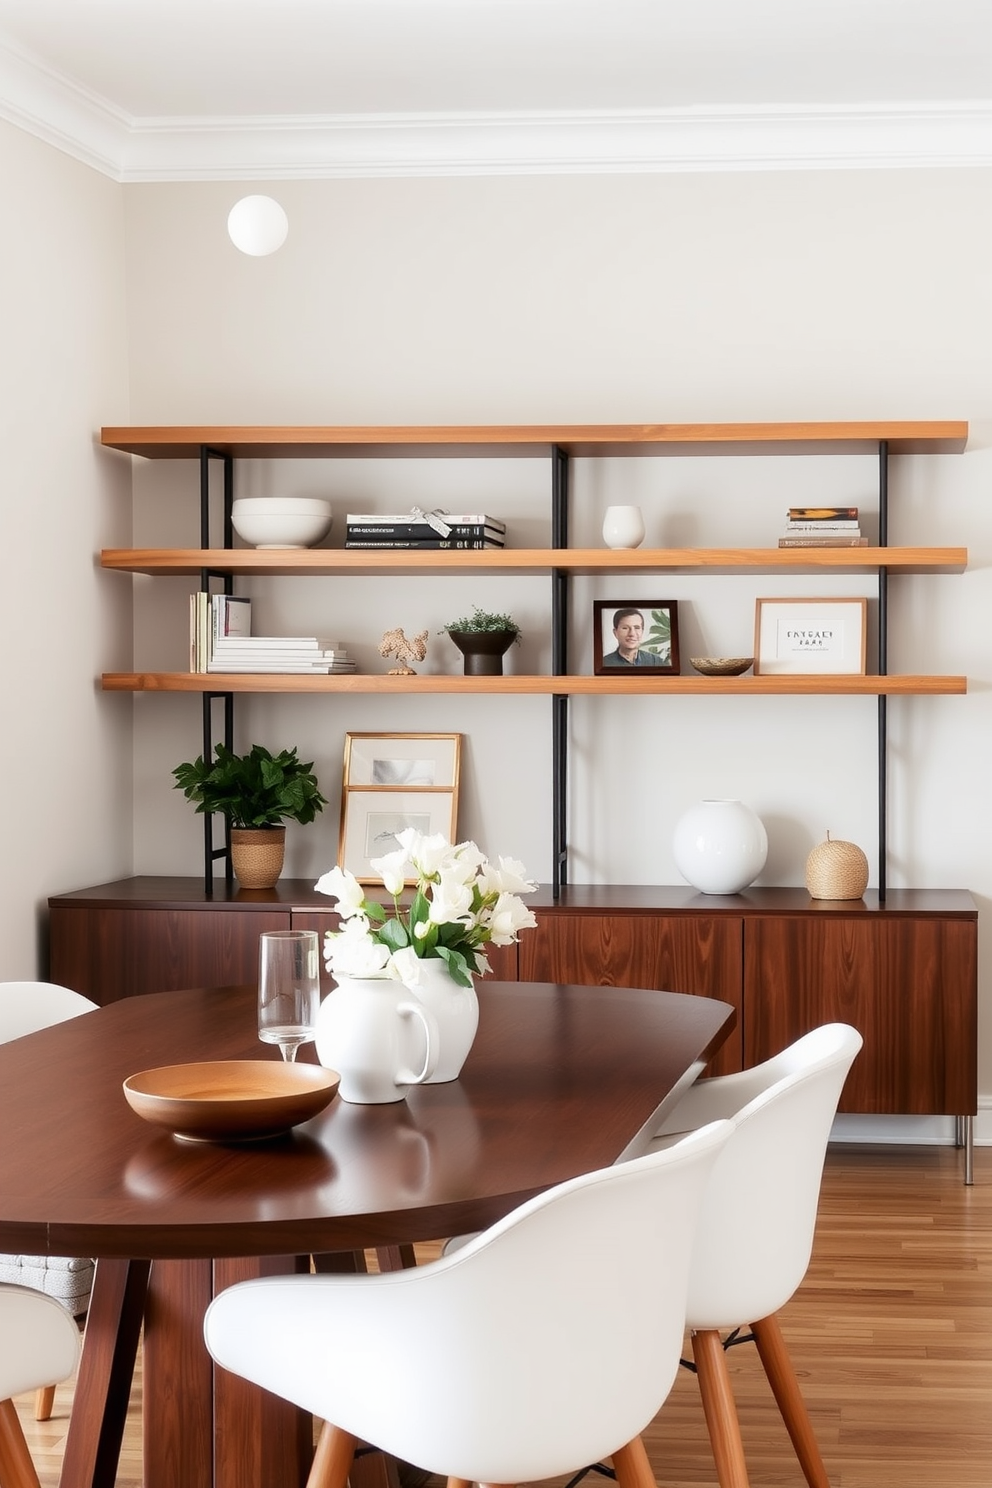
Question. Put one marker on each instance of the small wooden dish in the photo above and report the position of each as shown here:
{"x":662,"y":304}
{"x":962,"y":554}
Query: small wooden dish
{"x":721,"y":666}
{"x":230,"y":1100}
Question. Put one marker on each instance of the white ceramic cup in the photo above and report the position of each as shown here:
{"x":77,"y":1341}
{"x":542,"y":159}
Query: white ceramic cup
{"x":623,"y":527}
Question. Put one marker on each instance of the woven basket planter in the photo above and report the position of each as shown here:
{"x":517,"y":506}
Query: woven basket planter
{"x":836,"y":870}
{"x":257,"y":855}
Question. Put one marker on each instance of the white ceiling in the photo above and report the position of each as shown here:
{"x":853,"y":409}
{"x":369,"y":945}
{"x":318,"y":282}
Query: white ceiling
{"x":167,"y":89}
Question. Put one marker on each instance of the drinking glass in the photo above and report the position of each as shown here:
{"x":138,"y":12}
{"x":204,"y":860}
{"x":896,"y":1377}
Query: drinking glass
{"x":288,"y":988}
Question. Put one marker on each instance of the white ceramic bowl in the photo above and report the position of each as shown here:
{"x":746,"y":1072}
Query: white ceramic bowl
{"x":281,"y":521}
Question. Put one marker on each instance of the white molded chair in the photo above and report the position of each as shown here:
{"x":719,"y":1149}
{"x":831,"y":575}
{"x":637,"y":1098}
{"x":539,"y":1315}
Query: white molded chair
{"x":25,"y":1007}
{"x":39,"y":1343}
{"x":755,"y":1230}
{"x":545,"y":1342}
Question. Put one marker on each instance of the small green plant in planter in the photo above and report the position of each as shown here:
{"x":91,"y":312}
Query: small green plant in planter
{"x":483,"y":638}
{"x":256,"y":793}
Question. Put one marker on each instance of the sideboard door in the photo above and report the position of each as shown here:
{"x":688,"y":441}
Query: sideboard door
{"x":109,"y":953}
{"x":699,"y":954}
{"x":908,"y":984}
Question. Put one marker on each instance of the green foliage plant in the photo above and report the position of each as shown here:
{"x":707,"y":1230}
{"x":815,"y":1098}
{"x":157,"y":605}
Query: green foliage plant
{"x":483,"y":620}
{"x":659,"y":636}
{"x":257,"y":789}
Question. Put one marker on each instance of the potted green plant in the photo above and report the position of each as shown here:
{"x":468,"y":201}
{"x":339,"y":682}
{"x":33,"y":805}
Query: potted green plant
{"x":483,"y":638}
{"x":255,"y":792}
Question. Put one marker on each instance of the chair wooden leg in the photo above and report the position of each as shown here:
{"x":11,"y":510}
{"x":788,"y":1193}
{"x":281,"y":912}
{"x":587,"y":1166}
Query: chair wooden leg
{"x":781,"y":1374}
{"x":44,"y":1402}
{"x":333,"y":1458}
{"x":16,"y":1468}
{"x":719,"y":1408}
{"x":459,"y":1483}
{"x":631,"y":1465}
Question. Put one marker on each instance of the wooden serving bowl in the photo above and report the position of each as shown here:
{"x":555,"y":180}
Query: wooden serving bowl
{"x":230,"y":1100}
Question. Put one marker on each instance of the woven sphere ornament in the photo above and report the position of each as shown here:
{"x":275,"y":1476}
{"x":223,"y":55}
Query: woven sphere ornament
{"x":836,"y":870}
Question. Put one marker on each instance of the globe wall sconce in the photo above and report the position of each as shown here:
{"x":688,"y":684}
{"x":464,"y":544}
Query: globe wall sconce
{"x":257,"y":225}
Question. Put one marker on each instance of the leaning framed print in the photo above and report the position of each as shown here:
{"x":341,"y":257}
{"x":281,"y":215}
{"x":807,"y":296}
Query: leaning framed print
{"x":371,"y":821}
{"x":391,"y":782}
{"x":636,"y":635}
{"x":796,"y":637}
{"x":419,"y":760}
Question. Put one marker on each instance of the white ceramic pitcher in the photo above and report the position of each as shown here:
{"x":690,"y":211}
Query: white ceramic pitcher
{"x":380,"y":1040}
{"x":456,"y":1011}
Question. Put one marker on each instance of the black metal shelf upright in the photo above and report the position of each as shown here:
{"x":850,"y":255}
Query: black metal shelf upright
{"x":559,"y":667}
{"x":211,"y":854}
{"x":883,"y":663}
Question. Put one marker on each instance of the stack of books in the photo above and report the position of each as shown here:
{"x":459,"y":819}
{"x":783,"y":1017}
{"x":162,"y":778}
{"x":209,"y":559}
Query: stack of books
{"x":279,"y":654}
{"x":823,"y":527}
{"x":419,"y":529}
{"x":210,"y":616}
{"x":221,"y":641}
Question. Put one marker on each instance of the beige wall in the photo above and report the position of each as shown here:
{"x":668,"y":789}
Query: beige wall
{"x":65,"y":751}
{"x":752,"y":296}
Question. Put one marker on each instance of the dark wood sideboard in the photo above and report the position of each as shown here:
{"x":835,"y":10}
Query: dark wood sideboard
{"x":905,"y":972}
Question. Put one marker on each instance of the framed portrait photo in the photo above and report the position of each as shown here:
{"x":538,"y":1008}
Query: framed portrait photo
{"x":422,"y":761}
{"x":371,"y":821}
{"x":635,"y":635}
{"x":796,"y":637}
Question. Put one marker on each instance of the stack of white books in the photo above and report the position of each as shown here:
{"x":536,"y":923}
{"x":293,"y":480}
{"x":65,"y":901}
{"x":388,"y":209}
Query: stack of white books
{"x":278,"y":654}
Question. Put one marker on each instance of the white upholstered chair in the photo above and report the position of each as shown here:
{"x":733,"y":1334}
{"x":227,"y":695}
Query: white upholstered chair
{"x":755,"y":1230}
{"x":39,"y":1343}
{"x":26,"y":1007}
{"x":545,"y":1342}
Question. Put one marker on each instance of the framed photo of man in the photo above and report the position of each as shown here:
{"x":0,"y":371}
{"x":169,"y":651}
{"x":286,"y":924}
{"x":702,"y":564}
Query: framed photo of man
{"x":635,"y":635}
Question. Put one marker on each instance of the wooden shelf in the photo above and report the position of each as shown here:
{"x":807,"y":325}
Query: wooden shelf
{"x":368,"y":682}
{"x":316,"y":561}
{"x":948,"y":436}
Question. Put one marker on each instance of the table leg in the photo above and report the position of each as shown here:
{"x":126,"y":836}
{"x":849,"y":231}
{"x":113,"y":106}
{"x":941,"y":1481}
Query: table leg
{"x":206,"y":1428}
{"x":177,"y":1408}
{"x":103,"y":1381}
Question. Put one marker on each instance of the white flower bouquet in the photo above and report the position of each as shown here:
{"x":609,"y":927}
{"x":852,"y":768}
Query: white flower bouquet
{"x":461,"y":903}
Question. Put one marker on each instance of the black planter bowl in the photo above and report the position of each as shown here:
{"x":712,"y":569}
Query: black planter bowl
{"x":483,"y":650}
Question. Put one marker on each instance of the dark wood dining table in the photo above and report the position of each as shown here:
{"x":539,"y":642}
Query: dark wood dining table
{"x":561,"y":1080}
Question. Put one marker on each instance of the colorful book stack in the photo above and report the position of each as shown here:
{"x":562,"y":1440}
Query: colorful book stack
{"x":419,"y":529}
{"x":823,"y":527}
{"x":221,"y":641}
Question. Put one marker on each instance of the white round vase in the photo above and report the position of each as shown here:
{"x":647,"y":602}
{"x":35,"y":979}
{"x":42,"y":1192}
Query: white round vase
{"x":378,"y":1038}
{"x":456,"y":1013}
{"x":623,"y":527}
{"x":720,"y":846}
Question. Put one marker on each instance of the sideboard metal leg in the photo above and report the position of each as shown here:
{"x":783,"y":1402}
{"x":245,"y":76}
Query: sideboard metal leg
{"x":969,"y":1148}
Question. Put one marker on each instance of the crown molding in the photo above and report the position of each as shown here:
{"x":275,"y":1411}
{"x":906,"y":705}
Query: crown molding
{"x":57,"y":110}
{"x":128,"y":149}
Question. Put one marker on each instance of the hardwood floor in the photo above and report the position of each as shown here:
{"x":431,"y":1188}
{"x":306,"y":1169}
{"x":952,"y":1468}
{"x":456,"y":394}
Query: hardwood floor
{"x":891,"y":1334}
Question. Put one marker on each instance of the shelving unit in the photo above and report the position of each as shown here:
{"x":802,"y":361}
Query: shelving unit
{"x":557,"y":444}
{"x":904,"y":967}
